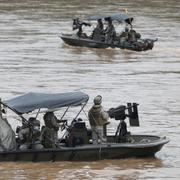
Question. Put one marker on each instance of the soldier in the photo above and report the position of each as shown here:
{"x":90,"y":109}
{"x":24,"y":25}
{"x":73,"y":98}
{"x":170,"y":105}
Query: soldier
{"x":29,"y":135}
{"x":98,"y":118}
{"x":132,"y":36}
{"x":110,"y":32}
{"x":77,"y":24}
{"x":49,"y":133}
{"x":7,"y":135}
{"x":100,"y":25}
{"x":98,"y":32}
{"x":124,"y":36}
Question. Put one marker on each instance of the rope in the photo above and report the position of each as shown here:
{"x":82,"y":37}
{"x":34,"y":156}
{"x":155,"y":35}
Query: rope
{"x":100,"y":148}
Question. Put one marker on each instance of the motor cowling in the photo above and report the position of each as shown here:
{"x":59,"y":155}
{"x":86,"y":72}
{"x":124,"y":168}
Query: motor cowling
{"x":77,"y":134}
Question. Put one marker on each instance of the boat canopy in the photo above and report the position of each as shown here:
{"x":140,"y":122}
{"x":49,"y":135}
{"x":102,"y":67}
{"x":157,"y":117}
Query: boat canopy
{"x":117,"y":16}
{"x":32,"y":101}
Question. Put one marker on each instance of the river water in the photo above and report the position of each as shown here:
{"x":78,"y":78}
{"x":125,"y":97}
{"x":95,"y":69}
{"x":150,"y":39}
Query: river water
{"x":34,"y":58}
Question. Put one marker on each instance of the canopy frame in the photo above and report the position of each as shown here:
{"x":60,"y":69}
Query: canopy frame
{"x":114,"y":17}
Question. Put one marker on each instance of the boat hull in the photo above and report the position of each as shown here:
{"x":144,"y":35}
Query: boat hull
{"x":73,"y":40}
{"x":90,"y":152}
{"x":82,"y":42}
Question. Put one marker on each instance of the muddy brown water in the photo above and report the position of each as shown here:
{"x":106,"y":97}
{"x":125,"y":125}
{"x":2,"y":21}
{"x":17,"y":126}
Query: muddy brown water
{"x":34,"y":58}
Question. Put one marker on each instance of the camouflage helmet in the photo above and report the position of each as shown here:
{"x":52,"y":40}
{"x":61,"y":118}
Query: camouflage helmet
{"x":98,"y":100}
{"x":34,"y":121}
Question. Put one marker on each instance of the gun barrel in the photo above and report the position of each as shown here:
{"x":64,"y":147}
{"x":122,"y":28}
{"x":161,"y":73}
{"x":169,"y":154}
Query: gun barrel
{"x":122,"y":108}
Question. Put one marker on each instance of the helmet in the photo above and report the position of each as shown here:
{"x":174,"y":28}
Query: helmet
{"x":126,"y":29}
{"x":138,"y":35}
{"x":32,"y":119}
{"x":98,"y":100}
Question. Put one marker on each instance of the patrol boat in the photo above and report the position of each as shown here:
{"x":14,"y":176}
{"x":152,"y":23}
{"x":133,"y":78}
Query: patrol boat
{"x":89,"y":41}
{"x":76,"y":143}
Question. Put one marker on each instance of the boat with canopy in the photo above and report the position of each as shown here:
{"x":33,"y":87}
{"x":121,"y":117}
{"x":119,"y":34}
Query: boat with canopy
{"x":133,"y":41}
{"x":75,"y":144}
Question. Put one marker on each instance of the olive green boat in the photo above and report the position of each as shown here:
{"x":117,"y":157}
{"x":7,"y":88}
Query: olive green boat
{"x":83,"y":40}
{"x":76,"y":143}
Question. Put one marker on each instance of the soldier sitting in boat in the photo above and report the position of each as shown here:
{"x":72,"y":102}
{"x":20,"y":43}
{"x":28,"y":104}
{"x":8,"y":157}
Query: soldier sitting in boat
{"x":98,"y":32}
{"x":77,"y":24}
{"x":135,"y":39}
{"x":132,"y":36}
{"x":29,"y":135}
{"x":49,"y":133}
{"x":124,"y":36}
{"x":110,"y":33}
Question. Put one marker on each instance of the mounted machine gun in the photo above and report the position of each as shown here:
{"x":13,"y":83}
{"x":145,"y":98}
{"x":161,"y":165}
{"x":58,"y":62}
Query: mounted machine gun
{"x":119,"y":113}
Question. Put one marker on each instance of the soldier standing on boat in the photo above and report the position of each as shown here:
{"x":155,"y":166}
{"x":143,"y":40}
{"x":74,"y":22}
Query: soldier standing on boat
{"x":50,"y":130}
{"x":98,"y":32}
{"x":77,"y":24}
{"x":97,"y":119}
{"x":100,"y":25}
{"x":110,"y":32}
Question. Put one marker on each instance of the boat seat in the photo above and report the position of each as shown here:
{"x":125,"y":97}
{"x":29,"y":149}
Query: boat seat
{"x":78,"y":134}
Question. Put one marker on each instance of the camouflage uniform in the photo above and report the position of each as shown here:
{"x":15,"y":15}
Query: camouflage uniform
{"x":50,"y":131}
{"x":7,"y":136}
{"x":29,"y":135}
{"x":48,"y":137}
{"x":124,"y":36}
{"x":98,"y":33}
{"x":132,"y":36}
{"x":110,"y":33}
{"x":97,"y":119}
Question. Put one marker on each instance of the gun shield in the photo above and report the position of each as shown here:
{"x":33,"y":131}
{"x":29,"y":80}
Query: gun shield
{"x":133,"y":114}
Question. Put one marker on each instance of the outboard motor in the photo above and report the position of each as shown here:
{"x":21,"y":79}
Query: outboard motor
{"x":77,"y":133}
